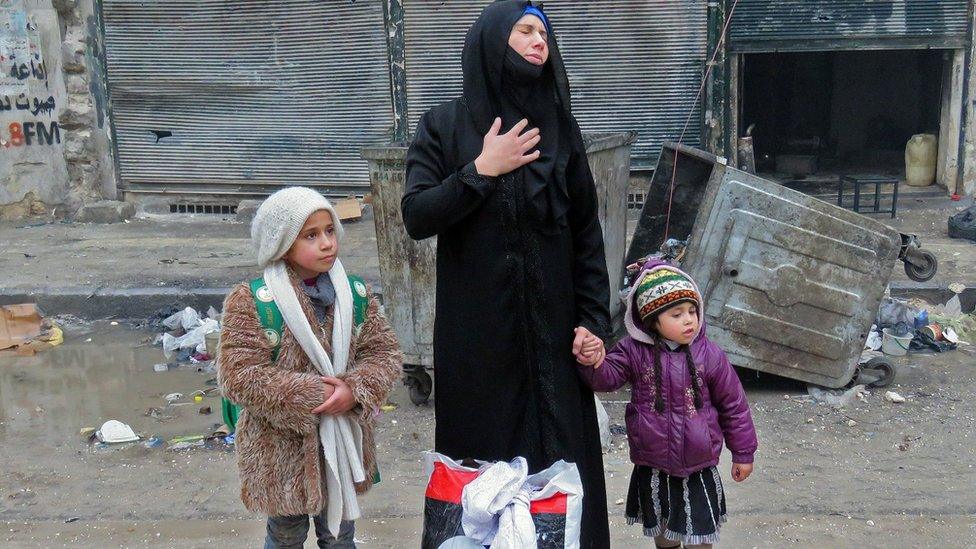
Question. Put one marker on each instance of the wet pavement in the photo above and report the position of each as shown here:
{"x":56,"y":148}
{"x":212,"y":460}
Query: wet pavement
{"x":875,"y":474}
{"x":102,"y":372}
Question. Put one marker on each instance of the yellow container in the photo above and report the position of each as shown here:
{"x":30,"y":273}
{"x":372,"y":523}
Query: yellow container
{"x":920,"y":158}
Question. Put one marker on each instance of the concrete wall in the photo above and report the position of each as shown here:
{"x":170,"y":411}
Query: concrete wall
{"x":89,"y":151}
{"x":55,"y":148}
{"x":967,"y":186}
{"x":33,"y":174}
{"x":947,"y":166}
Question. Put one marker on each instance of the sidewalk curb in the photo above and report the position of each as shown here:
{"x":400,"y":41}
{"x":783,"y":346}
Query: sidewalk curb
{"x":140,"y":303}
{"x":124,"y":304}
{"x":120,"y":304}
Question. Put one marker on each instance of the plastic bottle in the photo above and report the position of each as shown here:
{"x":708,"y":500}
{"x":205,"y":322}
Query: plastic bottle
{"x":920,"y":158}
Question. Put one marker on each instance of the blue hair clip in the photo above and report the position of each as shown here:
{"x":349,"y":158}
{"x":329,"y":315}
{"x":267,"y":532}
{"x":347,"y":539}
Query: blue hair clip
{"x":532,"y":10}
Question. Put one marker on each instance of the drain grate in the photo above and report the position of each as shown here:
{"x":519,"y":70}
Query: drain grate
{"x":224,"y":209}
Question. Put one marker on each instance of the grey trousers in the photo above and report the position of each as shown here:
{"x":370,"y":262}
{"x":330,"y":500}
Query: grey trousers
{"x":290,"y":532}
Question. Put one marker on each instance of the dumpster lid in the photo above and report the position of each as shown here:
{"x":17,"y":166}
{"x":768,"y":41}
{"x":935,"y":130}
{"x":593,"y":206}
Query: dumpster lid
{"x":791,"y":283}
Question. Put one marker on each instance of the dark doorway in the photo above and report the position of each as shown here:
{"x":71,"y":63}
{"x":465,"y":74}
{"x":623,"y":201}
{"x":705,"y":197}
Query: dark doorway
{"x":819,"y":114}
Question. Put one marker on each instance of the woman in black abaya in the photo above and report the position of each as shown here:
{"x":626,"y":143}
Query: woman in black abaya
{"x":500,"y":177}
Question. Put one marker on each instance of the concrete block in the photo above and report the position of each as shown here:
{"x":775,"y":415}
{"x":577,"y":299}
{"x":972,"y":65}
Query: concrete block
{"x":106,"y":211}
{"x":78,"y":146}
{"x":76,"y":83}
{"x":73,"y":51}
{"x":157,"y":207}
{"x":77,"y":114}
{"x":246,"y":210}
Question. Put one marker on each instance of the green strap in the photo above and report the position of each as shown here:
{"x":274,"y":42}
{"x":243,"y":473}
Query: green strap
{"x":231,"y":413}
{"x":269,"y":315}
{"x":273,"y":324}
{"x":360,"y":301}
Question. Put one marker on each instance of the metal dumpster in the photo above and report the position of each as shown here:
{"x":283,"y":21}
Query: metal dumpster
{"x":407,"y":267}
{"x":791,"y":284}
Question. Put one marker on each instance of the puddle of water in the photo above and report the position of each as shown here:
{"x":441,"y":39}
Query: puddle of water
{"x":48,"y":398}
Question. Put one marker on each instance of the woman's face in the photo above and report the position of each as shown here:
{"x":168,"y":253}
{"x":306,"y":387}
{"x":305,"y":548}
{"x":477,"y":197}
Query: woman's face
{"x":530,"y":39}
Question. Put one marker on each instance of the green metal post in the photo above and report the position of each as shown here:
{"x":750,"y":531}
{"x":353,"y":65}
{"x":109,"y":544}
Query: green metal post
{"x":715,"y":131}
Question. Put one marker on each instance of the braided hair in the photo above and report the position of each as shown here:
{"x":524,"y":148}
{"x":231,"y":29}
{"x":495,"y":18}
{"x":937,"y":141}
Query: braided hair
{"x":657,"y":350}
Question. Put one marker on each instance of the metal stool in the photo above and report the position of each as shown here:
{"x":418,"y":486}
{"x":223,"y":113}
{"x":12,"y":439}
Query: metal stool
{"x":877,"y":181}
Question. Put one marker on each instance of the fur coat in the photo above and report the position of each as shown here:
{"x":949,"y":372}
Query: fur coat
{"x":279,"y":454}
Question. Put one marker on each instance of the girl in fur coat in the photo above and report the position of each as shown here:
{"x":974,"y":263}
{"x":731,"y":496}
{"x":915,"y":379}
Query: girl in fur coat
{"x":309,"y":358}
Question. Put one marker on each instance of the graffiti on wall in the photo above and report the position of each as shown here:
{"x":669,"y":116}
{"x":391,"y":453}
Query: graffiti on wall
{"x":27,"y":108}
{"x":20,"y":55}
{"x":27,"y":133}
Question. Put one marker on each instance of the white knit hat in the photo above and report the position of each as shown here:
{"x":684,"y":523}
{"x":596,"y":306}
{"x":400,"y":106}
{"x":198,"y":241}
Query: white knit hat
{"x":280,"y":218}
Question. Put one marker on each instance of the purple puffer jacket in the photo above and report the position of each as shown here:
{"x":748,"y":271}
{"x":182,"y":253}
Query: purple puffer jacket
{"x":681,"y":440}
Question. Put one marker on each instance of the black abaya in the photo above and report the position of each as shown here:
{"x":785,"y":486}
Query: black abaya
{"x":520,"y":264}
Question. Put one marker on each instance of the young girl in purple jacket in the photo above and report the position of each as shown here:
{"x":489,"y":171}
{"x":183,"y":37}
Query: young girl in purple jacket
{"x":676,"y":427}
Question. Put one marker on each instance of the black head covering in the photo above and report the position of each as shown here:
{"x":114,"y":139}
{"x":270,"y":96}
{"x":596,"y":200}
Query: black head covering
{"x":498,"y":81}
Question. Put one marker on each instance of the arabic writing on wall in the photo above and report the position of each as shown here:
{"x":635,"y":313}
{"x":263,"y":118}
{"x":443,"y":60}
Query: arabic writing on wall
{"x":35,"y":105}
{"x":24,"y":89}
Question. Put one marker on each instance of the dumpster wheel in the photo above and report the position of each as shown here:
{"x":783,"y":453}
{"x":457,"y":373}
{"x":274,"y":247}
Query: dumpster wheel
{"x":879,"y":370}
{"x":419,"y":383}
{"x":922,"y":267}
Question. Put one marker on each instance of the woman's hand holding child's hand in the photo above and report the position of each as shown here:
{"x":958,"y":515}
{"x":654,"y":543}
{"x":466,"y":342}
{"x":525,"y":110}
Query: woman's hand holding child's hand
{"x":338,"y":397}
{"x":588,"y":348}
{"x":741,"y":471}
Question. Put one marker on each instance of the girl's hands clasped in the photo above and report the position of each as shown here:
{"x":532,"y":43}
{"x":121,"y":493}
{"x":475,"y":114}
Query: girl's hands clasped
{"x":338,"y":397}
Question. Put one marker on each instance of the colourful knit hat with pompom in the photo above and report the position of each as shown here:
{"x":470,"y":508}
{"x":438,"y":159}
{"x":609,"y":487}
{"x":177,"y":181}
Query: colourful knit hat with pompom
{"x":662,"y":288}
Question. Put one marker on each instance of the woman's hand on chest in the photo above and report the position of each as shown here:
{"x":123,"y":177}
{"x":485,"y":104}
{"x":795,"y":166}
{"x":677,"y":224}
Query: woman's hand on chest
{"x":506,"y":152}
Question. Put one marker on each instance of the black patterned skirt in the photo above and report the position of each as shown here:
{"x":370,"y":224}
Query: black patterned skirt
{"x":690,"y":510}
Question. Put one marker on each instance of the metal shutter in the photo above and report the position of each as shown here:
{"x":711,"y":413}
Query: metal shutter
{"x":633,"y":65}
{"x":256,"y":94}
{"x":797,"y":25}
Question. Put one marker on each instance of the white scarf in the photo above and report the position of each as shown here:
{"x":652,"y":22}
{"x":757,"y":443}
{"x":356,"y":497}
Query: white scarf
{"x":341,"y":436}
